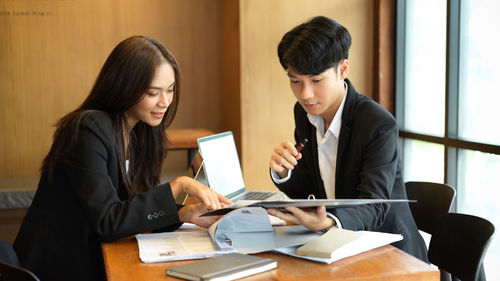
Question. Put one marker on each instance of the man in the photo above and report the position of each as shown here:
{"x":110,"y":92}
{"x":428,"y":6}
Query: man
{"x":353,"y":142}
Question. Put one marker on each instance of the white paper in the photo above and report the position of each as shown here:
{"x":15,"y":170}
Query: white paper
{"x":245,"y":230}
{"x":249,"y":231}
{"x":183,"y":245}
{"x":350,"y":245}
{"x":292,"y":251}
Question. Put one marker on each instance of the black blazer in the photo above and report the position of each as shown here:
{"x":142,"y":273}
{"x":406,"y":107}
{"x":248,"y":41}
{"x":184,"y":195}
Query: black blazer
{"x":368,"y":166}
{"x":85,"y":205}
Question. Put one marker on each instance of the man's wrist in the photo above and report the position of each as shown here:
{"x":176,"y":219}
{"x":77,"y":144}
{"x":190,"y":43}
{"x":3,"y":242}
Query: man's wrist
{"x":331,"y":223}
{"x":278,"y":179}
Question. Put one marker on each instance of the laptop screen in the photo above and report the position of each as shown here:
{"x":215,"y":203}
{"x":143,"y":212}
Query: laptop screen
{"x":221,"y":164}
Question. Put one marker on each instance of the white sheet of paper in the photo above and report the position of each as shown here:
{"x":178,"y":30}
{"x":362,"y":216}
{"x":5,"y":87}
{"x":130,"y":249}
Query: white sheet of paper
{"x":183,"y":245}
{"x":341,"y":245}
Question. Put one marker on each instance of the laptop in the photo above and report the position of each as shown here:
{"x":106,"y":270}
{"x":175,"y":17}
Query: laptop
{"x":222,"y":169}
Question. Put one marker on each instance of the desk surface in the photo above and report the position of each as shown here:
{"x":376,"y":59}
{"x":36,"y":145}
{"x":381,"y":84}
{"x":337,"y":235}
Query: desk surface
{"x":186,"y":138}
{"x":386,"y":263}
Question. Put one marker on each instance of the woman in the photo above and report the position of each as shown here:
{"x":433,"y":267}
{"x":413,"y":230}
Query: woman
{"x":98,"y":180}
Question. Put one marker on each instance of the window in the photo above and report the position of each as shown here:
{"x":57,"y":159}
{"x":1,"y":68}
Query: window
{"x":447,"y":102}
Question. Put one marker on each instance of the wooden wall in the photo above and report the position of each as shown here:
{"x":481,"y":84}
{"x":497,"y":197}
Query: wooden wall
{"x":52,"y":50}
{"x":266,"y":99}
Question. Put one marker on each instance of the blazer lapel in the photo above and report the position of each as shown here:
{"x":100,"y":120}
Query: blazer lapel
{"x":318,"y":183}
{"x":345,"y":133}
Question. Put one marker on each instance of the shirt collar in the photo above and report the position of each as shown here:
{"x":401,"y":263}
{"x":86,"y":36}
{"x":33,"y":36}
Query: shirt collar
{"x":334,"y":128}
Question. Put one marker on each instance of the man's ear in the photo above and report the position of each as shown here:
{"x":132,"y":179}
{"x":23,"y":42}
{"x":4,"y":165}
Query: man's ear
{"x":343,"y":69}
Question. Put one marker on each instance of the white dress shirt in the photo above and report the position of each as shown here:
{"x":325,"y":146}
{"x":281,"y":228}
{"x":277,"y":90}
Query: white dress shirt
{"x":327,"y":143}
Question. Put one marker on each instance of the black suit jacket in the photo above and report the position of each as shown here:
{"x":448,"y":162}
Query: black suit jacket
{"x":87,"y":204}
{"x":368,"y":166}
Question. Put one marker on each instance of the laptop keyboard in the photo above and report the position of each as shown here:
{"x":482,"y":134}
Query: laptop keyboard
{"x":253,"y":195}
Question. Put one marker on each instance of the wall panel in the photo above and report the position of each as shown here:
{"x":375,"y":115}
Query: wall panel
{"x":51,"y":52}
{"x":266,"y":99}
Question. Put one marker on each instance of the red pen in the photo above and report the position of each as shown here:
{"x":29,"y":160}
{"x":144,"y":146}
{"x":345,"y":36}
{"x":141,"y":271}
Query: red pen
{"x":301,"y":144}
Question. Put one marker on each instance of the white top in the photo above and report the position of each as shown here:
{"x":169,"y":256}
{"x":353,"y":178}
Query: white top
{"x":327,"y":143}
{"x":327,"y":149}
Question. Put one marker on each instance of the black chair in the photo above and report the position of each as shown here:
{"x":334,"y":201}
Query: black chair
{"x":10,"y":269}
{"x":433,"y":201}
{"x":458,"y":245}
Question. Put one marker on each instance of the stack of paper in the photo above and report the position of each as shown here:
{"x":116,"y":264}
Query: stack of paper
{"x":338,"y":243}
{"x":246,"y":230}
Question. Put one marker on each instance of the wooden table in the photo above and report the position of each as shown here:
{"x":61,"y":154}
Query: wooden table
{"x":122,"y":263}
{"x":180,"y":139}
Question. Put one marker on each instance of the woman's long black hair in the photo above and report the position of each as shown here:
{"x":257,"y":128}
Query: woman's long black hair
{"x":123,"y":81}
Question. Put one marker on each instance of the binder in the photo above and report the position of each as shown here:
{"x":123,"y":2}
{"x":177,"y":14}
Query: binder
{"x":302,"y":203}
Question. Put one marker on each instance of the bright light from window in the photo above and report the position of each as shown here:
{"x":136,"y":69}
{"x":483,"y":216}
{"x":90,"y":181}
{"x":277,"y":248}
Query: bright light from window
{"x":425,"y":66}
{"x":479,"y":96}
{"x":477,"y":194}
{"x":423,"y":161}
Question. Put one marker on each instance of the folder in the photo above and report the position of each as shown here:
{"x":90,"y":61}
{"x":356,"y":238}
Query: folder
{"x":226,"y":267}
{"x":302,"y":203}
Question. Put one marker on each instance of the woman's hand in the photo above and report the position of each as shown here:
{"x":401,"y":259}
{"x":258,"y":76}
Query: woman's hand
{"x":210,"y":199}
{"x":191,"y":213}
{"x":315,"y":220}
{"x":284,"y":158}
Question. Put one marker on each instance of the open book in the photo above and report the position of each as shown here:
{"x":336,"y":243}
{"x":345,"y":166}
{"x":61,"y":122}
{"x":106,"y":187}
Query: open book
{"x":302,"y":203}
{"x":245,"y":230}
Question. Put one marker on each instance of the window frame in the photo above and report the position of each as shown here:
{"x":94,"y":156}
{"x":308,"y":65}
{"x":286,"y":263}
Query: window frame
{"x":451,"y":142}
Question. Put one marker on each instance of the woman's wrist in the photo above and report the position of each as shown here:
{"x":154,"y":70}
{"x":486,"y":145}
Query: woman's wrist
{"x":184,"y":214}
{"x":177,"y":186}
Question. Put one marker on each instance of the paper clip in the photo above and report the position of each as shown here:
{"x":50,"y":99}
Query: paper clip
{"x":311,"y":197}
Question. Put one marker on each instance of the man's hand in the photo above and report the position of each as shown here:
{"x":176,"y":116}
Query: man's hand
{"x":284,"y":158}
{"x":315,"y":220}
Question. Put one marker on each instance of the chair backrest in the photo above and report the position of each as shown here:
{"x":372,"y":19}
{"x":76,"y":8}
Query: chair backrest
{"x":9,"y":265}
{"x":459,"y":243}
{"x":433,"y":201}
{"x":9,"y":272}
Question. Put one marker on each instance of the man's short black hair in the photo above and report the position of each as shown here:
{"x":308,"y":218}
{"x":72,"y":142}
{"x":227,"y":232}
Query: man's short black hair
{"x":314,"y":46}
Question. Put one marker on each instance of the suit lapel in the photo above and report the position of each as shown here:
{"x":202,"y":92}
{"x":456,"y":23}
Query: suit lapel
{"x":345,"y":135}
{"x":318,"y":183}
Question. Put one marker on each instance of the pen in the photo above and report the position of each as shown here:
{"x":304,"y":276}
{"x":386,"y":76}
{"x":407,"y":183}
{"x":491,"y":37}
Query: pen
{"x":301,"y":144}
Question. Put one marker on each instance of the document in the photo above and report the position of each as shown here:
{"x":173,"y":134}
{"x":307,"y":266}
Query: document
{"x":226,"y":267}
{"x":245,"y":230}
{"x":302,"y":203}
{"x":248,"y":230}
{"x":337,"y":244}
{"x":179,"y":245}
